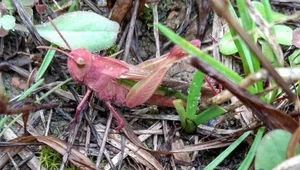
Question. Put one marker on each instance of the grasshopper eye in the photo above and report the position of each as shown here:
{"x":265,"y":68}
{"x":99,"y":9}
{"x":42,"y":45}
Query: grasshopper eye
{"x":80,"y":62}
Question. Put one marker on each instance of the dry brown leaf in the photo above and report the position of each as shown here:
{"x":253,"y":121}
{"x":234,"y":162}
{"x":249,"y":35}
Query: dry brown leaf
{"x":296,"y":38}
{"x":135,"y":152}
{"x":183,"y":156}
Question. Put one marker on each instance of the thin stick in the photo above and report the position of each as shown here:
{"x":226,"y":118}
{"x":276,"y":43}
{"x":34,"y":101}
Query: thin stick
{"x":59,"y":33}
{"x":130,"y":31}
{"x":155,"y":29}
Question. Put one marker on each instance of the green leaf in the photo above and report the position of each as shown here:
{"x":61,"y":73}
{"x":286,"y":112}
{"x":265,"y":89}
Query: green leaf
{"x":283,"y":34}
{"x":272,"y":149}
{"x":227,"y":46}
{"x":81,"y":29}
{"x":8,"y":22}
{"x":275,"y":15}
{"x":8,"y":4}
{"x":29,"y":12}
{"x":268,"y":52}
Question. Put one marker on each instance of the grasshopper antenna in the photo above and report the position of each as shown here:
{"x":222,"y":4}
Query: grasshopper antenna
{"x":52,"y":48}
{"x":59,"y":33}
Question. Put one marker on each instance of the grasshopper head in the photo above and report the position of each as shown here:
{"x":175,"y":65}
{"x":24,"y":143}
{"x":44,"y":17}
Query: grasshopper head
{"x":79,"y":63}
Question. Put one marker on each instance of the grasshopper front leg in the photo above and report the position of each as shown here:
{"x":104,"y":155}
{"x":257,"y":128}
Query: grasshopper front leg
{"x":81,"y":104}
{"x":121,"y":122}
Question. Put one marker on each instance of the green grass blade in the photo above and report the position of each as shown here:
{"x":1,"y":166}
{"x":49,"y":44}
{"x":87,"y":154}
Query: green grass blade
{"x":10,"y":124}
{"x":250,"y":156}
{"x":187,"y":124}
{"x":227,"y":151}
{"x":249,"y":61}
{"x":32,"y":88}
{"x":247,"y":22}
{"x":45,"y":64}
{"x":53,"y":89}
{"x":208,"y":114}
{"x":194,"y":95}
{"x":268,"y":10}
{"x":181,"y":111}
{"x":3,"y":120}
{"x":194,"y":51}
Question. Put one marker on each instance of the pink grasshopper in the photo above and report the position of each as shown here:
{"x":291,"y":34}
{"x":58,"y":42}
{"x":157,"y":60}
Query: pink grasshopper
{"x":99,"y":74}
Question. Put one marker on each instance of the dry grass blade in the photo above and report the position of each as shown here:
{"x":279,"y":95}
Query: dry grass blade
{"x":291,"y":150}
{"x":203,"y":146}
{"x":135,"y":152}
{"x":155,"y":126}
{"x":271,"y":117}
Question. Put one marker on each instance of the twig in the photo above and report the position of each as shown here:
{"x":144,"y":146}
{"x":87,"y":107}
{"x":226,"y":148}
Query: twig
{"x":131,"y":30}
{"x":155,"y":30}
{"x":99,"y":158}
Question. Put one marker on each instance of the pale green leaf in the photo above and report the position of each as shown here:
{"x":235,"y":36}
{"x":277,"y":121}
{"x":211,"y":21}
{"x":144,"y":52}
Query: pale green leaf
{"x":81,"y":29}
{"x":8,"y":22}
{"x":272,"y":149}
{"x":227,"y":46}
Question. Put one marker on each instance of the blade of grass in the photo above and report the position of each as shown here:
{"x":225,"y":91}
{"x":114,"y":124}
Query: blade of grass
{"x":249,"y":61}
{"x":269,"y":17}
{"x":250,"y":156}
{"x":3,"y":120}
{"x":45,"y":64}
{"x":194,"y":51}
{"x":10,"y":124}
{"x":268,"y":10}
{"x":178,"y":104}
{"x":227,"y":151}
{"x":32,"y":88}
{"x":194,"y":95}
{"x":208,"y":114}
{"x":187,"y":124}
